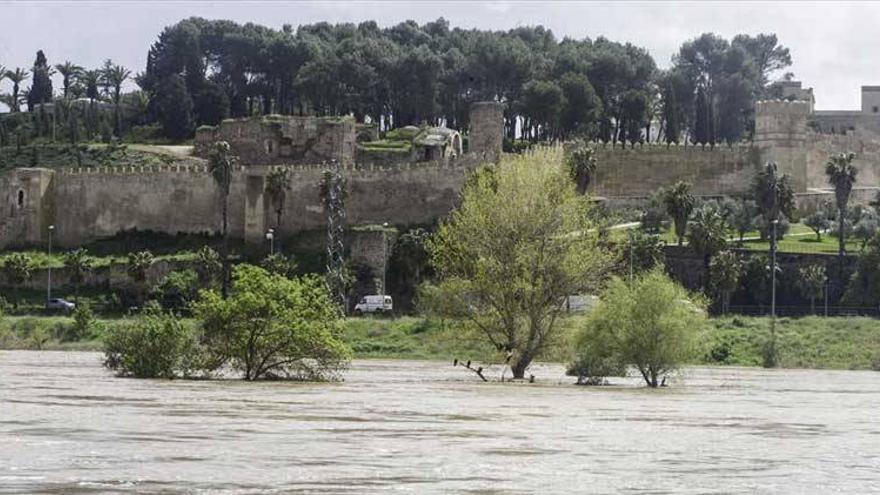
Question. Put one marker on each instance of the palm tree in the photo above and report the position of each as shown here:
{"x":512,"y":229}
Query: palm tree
{"x":91,"y":79}
{"x":78,"y":264}
{"x":679,"y":204}
{"x":842,"y":175}
{"x":208,"y":266}
{"x":277,"y":185}
{"x":707,"y":232}
{"x":70,"y":72}
{"x":773,"y":193}
{"x":138,"y":265}
{"x":17,"y":77}
{"x":220,"y":167}
{"x":18,"y":269}
{"x":114,"y":76}
{"x":582,"y":166}
{"x":810,"y":282}
{"x":724,"y":273}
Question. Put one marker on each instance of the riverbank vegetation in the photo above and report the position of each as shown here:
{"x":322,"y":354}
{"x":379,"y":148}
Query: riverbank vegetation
{"x":848,"y":343}
{"x":269,"y":326}
{"x":508,"y":257}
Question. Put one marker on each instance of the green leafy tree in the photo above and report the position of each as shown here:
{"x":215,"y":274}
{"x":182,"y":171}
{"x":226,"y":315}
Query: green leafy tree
{"x":818,"y":222}
{"x":864,"y":284}
{"x":725,"y":270}
{"x":41,"y":86}
{"x":811,"y":283}
{"x":582,"y":165}
{"x":865,"y":226}
{"x":277,"y":186}
{"x":651,"y":323}
{"x":409,"y":266}
{"x":177,"y":289}
{"x":156,"y":345}
{"x":83,"y":322}
{"x":220,"y":166}
{"x":18,"y":269}
{"x":643,"y":252}
{"x":654,"y":215}
{"x":175,"y":108}
{"x":514,"y":250}
{"x":78,"y":264}
{"x":742,"y":218}
{"x":679,"y":204}
{"x":271,"y":326}
{"x":279,"y":264}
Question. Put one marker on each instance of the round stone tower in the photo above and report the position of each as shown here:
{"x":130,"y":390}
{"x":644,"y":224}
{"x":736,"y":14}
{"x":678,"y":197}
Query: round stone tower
{"x":486,"y":129}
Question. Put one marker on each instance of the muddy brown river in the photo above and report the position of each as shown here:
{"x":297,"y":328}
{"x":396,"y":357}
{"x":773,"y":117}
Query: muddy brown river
{"x":68,"y":426}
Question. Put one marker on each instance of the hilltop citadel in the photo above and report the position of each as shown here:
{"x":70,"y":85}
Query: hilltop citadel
{"x":412,"y":184}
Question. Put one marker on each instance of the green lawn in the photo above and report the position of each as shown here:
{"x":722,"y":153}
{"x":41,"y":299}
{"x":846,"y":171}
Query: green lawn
{"x":799,"y":239}
{"x":810,"y":342}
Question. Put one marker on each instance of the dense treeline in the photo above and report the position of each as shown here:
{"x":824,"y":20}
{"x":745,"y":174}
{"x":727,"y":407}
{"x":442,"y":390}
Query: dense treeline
{"x":200,"y":71}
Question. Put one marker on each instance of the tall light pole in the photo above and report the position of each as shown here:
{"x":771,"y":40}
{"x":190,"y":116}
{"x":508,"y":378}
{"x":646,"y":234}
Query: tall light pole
{"x":384,"y":256}
{"x":49,"y":277}
{"x":630,"y":237}
{"x":270,"y":236}
{"x":771,"y":362}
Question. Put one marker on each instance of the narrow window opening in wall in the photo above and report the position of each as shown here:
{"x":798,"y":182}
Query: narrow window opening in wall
{"x":20,"y":201}
{"x":876,"y":109}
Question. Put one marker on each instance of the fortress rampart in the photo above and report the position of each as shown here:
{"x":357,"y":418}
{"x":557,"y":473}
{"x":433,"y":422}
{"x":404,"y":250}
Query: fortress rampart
{"x":91,"y":203}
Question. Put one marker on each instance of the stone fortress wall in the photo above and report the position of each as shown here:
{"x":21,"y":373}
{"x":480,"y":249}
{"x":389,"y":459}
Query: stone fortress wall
{"x":88,"y":204}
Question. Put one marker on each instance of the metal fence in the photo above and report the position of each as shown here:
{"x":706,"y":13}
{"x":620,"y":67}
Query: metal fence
{"x":798,"y":311}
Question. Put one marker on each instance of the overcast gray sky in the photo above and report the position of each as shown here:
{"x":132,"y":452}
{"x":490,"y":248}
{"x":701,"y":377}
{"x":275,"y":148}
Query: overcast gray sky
{"x":832,"y":44}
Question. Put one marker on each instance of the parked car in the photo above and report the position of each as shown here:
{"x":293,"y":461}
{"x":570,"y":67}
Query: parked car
{"x":378,"y":304}
{"x":60,"y":305}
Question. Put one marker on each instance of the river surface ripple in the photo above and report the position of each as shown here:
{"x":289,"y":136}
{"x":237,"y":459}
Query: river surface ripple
{"x":68,"y":426}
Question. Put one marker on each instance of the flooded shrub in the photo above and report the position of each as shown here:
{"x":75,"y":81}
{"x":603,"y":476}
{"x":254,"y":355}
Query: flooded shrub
{"x":83,"y":323}
{"x":651,"y":323}
{"x":157,"y":345}
{"x":596,"y":357}
{"x":273,"y":327}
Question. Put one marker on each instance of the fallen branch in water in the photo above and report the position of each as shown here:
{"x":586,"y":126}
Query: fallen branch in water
{"x":478,"y":370}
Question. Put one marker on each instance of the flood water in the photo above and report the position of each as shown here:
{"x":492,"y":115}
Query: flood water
{"x":68,"y":426}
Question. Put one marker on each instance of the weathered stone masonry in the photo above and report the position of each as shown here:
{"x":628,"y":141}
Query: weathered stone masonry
{"x":91,"y":203}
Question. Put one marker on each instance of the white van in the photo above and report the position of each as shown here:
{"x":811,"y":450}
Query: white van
{"x":374,"y":304}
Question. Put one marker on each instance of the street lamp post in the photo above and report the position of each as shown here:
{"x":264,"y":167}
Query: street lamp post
{"x":772,"y":350}
{"x":270,"y":236}
{"x":384,"y":256}
{"x":49,"y":272}
{"x":630,"y":236}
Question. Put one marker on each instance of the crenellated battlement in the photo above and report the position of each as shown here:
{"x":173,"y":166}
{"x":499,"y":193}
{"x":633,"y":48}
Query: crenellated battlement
{"x":466,"y":161}
{"x":783,"y":107}
{"x":670,"y":147}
